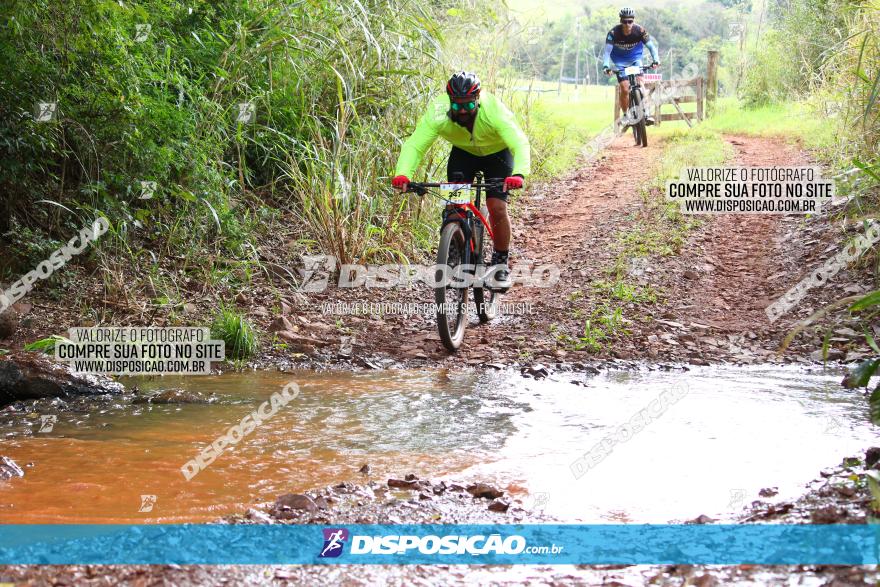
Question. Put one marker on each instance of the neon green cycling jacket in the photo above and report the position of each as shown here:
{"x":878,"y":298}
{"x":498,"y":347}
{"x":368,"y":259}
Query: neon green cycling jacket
{"x":494,"y":130}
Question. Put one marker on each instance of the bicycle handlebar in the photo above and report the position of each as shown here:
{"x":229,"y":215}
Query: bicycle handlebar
{"x":643,"y":68}
{"x":421,"y":187}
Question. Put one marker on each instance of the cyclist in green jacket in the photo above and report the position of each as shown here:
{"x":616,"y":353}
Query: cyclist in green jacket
{"x":485,"y":137}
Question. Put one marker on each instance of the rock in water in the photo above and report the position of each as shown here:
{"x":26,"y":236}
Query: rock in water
{"x":9,"y":469}
{"x":485,"y":491}
{"x":176,"y":396}
{"x":295,"y":501}
{"x":403,"y":484}
{"x":25,"y":375}
{"x":499,"y":505}
{"x":872,"y":457}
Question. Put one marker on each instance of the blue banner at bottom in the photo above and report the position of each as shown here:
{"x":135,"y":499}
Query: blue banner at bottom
{"x":439,"y":544}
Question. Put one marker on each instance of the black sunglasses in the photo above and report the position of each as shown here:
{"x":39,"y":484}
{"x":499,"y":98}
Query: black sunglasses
{"x":627,"y":21}
{"x":469,"y":105}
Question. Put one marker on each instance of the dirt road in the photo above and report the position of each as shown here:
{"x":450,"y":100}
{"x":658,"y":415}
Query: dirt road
{"x":706,"y":301}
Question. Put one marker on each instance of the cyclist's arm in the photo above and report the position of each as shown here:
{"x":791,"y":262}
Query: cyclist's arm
{"x":414,"y":148}
{"x":606,"y":60}
{"x":648,"y":40}
{"x":515,"y":139}
{"x":652,"y":47}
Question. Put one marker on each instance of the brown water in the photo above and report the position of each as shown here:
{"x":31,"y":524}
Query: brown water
{"x":734,"y":432}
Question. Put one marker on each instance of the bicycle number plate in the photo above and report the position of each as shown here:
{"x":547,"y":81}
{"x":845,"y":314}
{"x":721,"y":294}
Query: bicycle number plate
{"x":454,"y":187}
{"x":633,"y":70}
{"x":459,"y":193}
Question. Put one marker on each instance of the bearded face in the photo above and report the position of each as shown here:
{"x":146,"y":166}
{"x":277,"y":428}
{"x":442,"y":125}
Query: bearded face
{"x":464,"y":110}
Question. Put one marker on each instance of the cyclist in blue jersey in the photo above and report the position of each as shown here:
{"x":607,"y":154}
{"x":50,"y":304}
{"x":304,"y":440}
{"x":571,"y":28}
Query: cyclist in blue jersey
{"x":624,"y":46}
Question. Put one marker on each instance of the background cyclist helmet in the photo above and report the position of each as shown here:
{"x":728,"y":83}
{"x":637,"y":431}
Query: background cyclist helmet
{"x":463,"y":89}
{"x":627,"y":12}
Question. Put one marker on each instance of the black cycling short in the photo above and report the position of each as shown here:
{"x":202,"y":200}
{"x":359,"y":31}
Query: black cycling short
{"x":494,"y":166}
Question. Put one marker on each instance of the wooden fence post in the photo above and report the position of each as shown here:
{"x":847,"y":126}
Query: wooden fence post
{"x":711,"y":81}
{"x":700,"y":114}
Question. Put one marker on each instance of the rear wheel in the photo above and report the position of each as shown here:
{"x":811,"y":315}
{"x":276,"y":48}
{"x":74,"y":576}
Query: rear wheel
{"x":485,"y":299}
{"x":451,"y":301}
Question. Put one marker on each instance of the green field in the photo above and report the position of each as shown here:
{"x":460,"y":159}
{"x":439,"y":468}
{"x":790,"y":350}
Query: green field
{"x":561,"y":124}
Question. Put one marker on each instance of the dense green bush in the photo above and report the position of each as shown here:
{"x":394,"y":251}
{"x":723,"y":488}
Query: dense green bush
{"x":333,"y":85}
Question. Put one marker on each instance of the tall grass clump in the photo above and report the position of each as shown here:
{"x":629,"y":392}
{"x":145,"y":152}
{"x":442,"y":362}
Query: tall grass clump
{"x":237,"y":334}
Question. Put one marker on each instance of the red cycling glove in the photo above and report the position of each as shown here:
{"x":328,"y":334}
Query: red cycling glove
{"x":400,"y":182}
{"x":513,"y":182}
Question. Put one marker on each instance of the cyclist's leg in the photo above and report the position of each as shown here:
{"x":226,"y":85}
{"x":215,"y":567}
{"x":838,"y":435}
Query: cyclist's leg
{"x":624,"y":94}
{"x":498,"y":165}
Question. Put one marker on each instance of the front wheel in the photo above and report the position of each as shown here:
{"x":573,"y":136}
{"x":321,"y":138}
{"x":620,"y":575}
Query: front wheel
{"x":451,"y":301}
{"x":640,"y":128}
{"x":643,"y":134}
{"x":485,"y":299}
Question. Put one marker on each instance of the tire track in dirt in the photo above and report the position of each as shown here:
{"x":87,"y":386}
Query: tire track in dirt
{"x":732,"y":268}
{"x":741,"y":252}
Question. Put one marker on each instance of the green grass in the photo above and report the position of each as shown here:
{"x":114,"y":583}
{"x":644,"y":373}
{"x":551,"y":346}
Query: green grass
{"x":626,"y":292}
{"x":45,"y":345}
{"x":796,"y":120}
{"x":237,"y":334}
{"x":560,"y":125}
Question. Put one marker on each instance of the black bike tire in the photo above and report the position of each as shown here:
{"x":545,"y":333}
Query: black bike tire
{"x":451,"y":339}
{"x":486,"y":310}
{"x":643,"y":132}
{"x":640,"y":128}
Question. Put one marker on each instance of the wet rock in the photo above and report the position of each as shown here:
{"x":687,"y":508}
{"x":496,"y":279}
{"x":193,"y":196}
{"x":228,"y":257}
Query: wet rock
{"x":365,"y":469}
{"x":537,"y":371}
{"x":845,"y":490}
{"x":8,"y":323}
{"x":175,"y":396}
{"x":484,"y":491}
{"x":259,"y":517}
{"x":705,"y":580}
{"x":294,"y":501}
{"x":768,"y":492}
{"x":321,"y":503}
{"x":499,"y":505}
{"x":401,"y":484}
{"x":25,"y":375}
{"x":872,"y":457}
{"x":828,"y":515}
{"x":701,"y":519}
{"x":9,"y":469}
{"x":411,"y":477}
{"x":833,"y":355}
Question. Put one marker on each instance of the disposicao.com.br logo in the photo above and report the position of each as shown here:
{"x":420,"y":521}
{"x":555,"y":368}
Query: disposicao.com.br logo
{"x":456,"y":544}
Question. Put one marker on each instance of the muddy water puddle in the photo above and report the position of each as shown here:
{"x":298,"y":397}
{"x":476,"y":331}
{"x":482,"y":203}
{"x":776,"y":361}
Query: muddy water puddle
{"x":728,"y":433}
